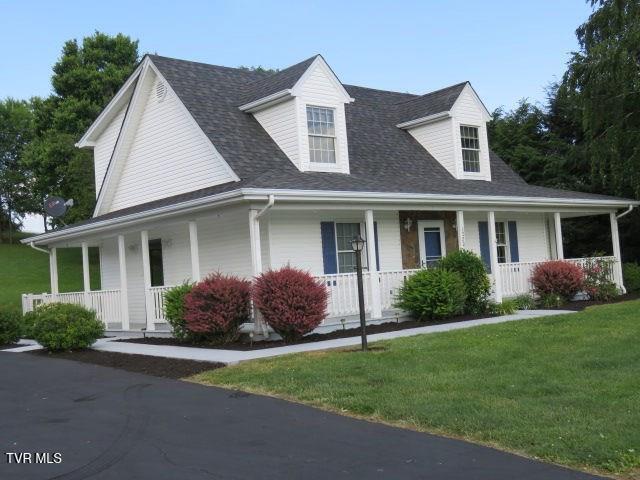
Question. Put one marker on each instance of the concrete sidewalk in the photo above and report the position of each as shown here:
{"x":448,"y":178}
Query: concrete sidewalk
{"x":235,"y":356}
{"x":231,"y":357}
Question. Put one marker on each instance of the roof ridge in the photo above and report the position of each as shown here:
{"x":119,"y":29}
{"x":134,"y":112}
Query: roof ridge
{"x":434,"y":92}
{"x":239,"y":69}
{"x":415,"y":95}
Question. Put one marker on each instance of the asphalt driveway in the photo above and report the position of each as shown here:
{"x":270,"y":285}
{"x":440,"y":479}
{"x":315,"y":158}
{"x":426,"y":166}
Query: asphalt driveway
{"x":112,"y":424}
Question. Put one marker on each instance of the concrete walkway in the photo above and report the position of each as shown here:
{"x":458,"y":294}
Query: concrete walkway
{"x":230,"y":357}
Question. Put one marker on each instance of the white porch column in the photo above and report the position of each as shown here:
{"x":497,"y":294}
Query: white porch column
{"x":460,"y":229}
{"x":86,"y":278}
{"x":195,"y":252}
{"x":558,"y":229}
{"x":615,"y":239}
{"x":254,"y":238}
{"x":53,"y":269}
{"x":259,"y":327}
{"x":124,"y":297}
{"x":149,"y":306}
{"x":493,"y":255}
{"x":374,"y":277}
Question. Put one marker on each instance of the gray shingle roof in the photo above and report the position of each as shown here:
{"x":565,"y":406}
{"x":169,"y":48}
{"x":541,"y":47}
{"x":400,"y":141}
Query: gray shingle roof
{"x":429,"y":104}
{"x":281,"y":80}
{"x":382,"y":157}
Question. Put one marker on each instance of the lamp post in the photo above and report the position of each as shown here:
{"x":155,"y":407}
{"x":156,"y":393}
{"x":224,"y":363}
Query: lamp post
{"x":357,"y":244}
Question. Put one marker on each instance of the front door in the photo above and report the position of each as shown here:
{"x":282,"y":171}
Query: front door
{"x":431,"y":239}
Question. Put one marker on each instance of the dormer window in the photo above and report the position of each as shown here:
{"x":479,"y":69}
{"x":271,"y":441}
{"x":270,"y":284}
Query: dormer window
{"x":470,"y":148}
{"x":322,"y":134}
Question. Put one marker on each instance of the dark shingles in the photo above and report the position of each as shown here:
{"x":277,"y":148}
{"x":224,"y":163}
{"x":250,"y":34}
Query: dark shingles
{"x":429,"y":104}
{"x":281,"y":80}
{"x":382,"y":157}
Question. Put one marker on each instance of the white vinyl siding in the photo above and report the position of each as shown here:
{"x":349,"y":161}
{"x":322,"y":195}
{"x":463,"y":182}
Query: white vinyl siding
{"x":438,"y":140}
{"x":280,"y":122}
{"x":469,"y":111}
{"x":167,"y":156}
{"x":532,"y":244}
{"x":318,"y":89}
{"x":104,"y":147}
{"x":296,"y":240}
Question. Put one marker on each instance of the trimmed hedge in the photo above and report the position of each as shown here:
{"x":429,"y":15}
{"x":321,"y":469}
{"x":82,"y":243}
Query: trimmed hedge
{"x":63,"y":326}
{"x":10,"y":326}
{"x":557,"y":279}
{"x":472,"y":270}
{"x":631,"y":275}
{"x":433,"y":294}
{"x":215,"y":307}
{"x":291,"y":301}
{"x":174,"y":310}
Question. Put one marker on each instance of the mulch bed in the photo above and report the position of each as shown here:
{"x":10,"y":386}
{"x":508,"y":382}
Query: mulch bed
{"x":8,"y":346}
{"x":580,"y":305}
{"x":156,"y":366}
{"x":243,"y":345}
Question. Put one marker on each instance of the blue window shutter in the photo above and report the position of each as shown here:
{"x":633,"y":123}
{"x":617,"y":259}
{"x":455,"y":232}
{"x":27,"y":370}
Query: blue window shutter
{"x":485,"y":252}
{"x":375,"y":240}
{"x":329,"y":253}
{"x":513,"y":242}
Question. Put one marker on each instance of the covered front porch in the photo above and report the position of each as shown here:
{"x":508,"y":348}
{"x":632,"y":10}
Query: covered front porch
{"x":141,"y":262}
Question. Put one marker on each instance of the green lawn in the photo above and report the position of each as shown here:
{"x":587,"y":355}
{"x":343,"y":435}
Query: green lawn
{"x":25,"y":270}
{"x":565,"y":389}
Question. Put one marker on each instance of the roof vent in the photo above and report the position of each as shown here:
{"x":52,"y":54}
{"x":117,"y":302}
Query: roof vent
{"x":161,"y":91}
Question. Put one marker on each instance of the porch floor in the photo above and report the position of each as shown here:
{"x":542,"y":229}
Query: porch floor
{"x":235,"y":356}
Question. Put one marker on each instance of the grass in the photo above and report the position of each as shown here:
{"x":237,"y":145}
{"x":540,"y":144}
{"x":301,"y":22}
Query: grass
{"x":565,"y":389}
{"x":25,"y":270}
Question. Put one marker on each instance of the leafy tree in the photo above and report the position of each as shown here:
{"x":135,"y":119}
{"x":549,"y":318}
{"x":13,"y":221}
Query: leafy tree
{"x":16,"y":131}
{"x":84,"y":79}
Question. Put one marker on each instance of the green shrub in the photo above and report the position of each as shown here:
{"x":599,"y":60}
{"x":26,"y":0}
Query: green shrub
{"x":524,"y":302}
{"x":551,"y":300}
{"x":28,"y":323}
{"x":10,"y":329}
{"x":597,"y":284}
{"x":471,"y":269}
{"x":174,"y":309}
{"x":432,"y":294}
{"x":507,"y":307}
{"x":631,"y":275}
{"x":63,"y":326}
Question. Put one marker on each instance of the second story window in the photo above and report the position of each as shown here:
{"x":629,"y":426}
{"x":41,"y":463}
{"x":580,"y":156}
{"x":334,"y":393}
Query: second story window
{"x":322,"y":135}
{"x":470,"y":148}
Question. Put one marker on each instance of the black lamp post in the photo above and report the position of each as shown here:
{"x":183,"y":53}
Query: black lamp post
{"x":358,"y":245}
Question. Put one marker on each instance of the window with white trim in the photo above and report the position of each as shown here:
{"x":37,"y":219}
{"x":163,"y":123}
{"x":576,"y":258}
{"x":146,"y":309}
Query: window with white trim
{"x":345,"y":232}
{"x":322,"y":134}
{"x":470,"y":140}
{"x":502,"y":241}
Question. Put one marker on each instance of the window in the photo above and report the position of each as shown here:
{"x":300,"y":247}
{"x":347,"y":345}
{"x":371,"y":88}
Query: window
{"x":155,"y":262}
{"x":502,"y":242}
{"x":322,"y":135}
{"x":346,"y":256}
{"x":470,"y":148}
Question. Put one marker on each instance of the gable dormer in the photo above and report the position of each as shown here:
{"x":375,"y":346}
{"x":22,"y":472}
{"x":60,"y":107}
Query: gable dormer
{"x":451,"y":124}
{"x":302,"y":109}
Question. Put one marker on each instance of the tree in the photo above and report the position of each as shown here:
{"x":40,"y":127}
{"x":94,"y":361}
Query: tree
{"x":16,"y":131}
{"x":85,"y":78}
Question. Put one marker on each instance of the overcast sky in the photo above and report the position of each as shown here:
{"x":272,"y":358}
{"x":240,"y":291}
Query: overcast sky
{"x":508,"y":49}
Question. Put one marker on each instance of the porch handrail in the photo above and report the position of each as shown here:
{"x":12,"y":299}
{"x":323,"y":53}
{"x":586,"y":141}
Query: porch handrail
{"x":106,"y":303}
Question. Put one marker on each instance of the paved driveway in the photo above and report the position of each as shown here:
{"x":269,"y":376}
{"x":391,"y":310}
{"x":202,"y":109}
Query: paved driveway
{"x":111,"y":424}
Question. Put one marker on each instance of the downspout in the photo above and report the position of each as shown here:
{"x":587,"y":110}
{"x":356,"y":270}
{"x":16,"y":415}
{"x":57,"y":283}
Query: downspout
{"x":628,"y":210}
{"x":272,"y":200}
{"x":32,"y":245}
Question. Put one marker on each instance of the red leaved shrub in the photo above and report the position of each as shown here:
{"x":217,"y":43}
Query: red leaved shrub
{"x":291,"y":301}
{"x":216,"y":306}
{"x":557,"y":278}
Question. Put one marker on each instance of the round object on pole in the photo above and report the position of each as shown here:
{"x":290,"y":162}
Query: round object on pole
{"x":357,"y":243}
{"x":55,"y":206}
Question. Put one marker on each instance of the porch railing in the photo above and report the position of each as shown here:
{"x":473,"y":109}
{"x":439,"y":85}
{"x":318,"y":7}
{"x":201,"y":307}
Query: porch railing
{"x":106,"y":303}
{"x":156,"y":302}
{"x":516,"y":277}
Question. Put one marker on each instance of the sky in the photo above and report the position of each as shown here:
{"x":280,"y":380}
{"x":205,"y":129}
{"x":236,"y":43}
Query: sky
{"x":508,"y":50}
